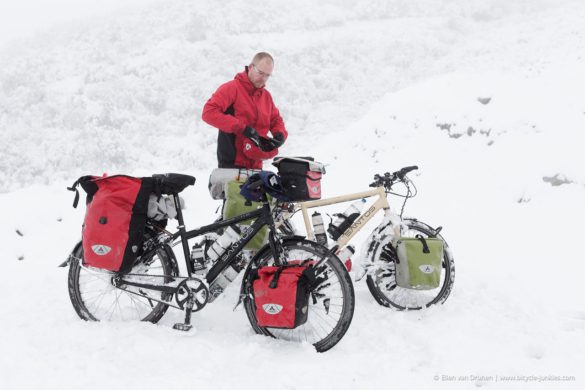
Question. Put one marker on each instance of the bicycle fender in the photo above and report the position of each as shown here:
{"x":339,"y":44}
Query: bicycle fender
{"x":68,"y":260}
{"x":171,"y":255}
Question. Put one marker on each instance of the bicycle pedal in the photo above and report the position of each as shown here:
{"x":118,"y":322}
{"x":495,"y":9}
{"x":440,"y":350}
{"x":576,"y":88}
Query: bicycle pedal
{"x":182,"y":327}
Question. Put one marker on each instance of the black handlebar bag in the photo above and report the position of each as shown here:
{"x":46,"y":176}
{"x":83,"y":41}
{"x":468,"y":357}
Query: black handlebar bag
{"x":115,"y":219}
{"x":301,"y":177}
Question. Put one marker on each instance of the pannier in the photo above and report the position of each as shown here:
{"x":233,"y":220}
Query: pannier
{"x":235,"y":204}
{"x":419,"y":262}
{"x":117,"y":210}
{"x":301,"y":177}
{"x":282,"y":294}
{"x":115,"y":219}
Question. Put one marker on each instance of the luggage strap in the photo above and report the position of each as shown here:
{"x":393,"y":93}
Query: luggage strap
{"x":274,"y":281}
{"x":424,"y":243}
{"x":74,"y":188}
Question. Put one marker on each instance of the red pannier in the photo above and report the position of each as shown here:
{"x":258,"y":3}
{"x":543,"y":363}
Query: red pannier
{"x":281,"y":295}
{"x":301,"y":177}
{"x":115,"y":219}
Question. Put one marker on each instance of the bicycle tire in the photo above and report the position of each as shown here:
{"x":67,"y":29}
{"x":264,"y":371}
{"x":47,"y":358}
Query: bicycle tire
{"x":323,"y":329}
{"x":95,"y":298}
{"x":382,"y":283}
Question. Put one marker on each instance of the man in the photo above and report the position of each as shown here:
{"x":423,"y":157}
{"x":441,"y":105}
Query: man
{"x":244,"y":113}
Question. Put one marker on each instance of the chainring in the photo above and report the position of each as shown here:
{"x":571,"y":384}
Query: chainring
{"x":195,"y":289}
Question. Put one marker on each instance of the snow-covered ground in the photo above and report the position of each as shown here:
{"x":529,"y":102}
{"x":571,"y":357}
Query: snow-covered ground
{"x":485,"y":96}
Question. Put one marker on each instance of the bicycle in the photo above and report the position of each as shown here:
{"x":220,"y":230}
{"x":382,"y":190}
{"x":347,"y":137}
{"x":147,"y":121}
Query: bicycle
{"x":154,"y":283}
{"x":378,"y":254}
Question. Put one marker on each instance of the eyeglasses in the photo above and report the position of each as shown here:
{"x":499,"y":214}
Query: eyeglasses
{"x":259,"y":72}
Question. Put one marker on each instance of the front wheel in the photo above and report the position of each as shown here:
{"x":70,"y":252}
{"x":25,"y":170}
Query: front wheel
{"x":331,"y":304}
{"x":382,"y":281}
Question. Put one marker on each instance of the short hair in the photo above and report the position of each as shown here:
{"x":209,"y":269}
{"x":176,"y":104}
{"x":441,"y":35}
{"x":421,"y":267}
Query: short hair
{"x":260,"y":56}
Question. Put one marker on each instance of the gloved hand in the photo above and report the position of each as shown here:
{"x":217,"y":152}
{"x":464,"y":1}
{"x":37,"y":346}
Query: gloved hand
{"x":269,"y":144}
{"x":278,"y":140}
{"x":266,"y":144}
{"x":252,"y":134}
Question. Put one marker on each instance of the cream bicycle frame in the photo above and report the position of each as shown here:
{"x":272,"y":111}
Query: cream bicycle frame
{"x":380,"y":204}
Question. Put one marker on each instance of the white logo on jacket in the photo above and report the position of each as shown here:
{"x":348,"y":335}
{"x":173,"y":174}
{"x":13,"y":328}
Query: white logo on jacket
{"x":101,"y":250}
{"x":426,"y":269}
{"x":272,"y":308}
{"x":248,"y":146}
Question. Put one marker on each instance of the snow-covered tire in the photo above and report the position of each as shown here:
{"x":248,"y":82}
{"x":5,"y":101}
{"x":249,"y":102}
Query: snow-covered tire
{"x":382,"y":281}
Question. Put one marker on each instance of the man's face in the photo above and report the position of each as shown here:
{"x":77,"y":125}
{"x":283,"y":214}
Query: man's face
{"x":260,"y":72}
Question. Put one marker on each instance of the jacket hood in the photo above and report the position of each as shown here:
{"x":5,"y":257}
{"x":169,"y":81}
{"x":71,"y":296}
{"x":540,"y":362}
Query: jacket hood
{"x":242,"y":77}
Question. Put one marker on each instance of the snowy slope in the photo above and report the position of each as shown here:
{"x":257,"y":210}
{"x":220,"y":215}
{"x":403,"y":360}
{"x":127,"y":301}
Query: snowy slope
{"x":366,"y":87}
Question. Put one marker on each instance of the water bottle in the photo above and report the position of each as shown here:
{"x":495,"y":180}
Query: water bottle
{"x":229,"y":236}
{"x":319,"y":228}
{"x":343,"y":221}
{"x":198,"y":257}
{"x":345,"y":256}
{"x":227,"y":276}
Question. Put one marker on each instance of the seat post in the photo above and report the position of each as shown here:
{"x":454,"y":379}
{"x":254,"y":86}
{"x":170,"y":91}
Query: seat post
{"x":182,"y":231}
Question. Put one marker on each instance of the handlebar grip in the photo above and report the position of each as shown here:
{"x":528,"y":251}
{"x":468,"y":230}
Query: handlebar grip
{"x":403,"y":171}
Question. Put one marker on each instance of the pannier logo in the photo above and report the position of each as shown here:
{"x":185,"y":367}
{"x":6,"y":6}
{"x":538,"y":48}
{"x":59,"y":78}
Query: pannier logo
{"x":426,"y":269}
{"x":101,"y":250}
{"x":272,"y":308}
{"x":315,"y":189}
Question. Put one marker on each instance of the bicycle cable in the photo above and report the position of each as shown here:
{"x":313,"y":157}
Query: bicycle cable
{"x":409,"y":194}
{"x":405,"y":199}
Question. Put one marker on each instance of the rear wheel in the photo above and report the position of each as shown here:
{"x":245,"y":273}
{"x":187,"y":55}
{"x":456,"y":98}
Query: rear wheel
{"x":96,"y":298}
{"x":382,"y":281}
{"x":331,"y":304}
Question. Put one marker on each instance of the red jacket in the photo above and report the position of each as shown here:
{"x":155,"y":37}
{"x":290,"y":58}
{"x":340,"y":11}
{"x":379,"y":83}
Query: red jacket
{"x":235,"y":105}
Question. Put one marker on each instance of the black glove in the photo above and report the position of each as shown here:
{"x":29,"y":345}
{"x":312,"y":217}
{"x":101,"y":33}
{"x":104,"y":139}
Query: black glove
{"x":266,"y":145}
{"x":252,"y":134}
{"x":278,"y":140}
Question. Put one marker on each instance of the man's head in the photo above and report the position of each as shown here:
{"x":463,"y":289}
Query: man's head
{"x":260,"y":69}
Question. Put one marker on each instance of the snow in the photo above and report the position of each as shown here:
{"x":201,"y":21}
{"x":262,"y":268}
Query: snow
{"x":366,"y":87}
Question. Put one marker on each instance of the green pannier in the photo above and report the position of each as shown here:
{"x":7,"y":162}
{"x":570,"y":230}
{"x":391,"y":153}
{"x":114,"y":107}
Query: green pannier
{"x":235,"y":204}
{"x":419,"y":262}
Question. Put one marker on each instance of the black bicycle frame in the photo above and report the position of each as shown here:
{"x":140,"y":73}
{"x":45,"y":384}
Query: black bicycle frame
{"x":263,"y":218}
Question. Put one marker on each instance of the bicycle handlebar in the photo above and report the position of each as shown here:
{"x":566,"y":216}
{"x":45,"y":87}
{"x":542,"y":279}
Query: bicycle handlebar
{"x":402,"y":172}
{"x":388,"y":179}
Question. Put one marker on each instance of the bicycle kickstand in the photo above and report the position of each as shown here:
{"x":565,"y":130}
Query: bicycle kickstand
{"x":185,"y":327}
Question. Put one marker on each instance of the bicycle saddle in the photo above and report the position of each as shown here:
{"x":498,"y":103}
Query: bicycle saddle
{"x":172,"y":183}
